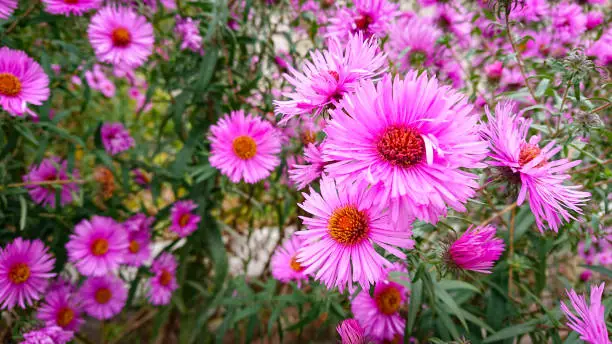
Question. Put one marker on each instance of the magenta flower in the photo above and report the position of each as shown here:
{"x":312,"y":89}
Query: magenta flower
{"x":62,"y":309}
{"x":22,"y":82}
{"x":116,"y":138}
{"x":7,"y":7}
{"x":589,"y":321}
{"x":351,"y":332}
{"x":413,"y":42}
{"x":330,"y":75}
{"x":139,"y":223}
{"x":121,"y":36}
{"x":284,"y":264}
{"x":103,"y":297}
{"x":184,"y":222}
{"x":244,"y":147}
{"x":47,"y":335}
{"x":50,"y":169}
{"x":139,"y":249}
{"x":71,"y":7}
{"x":302,"y":175}
{"x":477,"y":250}
{"x":97,"y":247}
{"x":419,"y":135}
{"x":368,"y":17}
{"x":524,"y":162}
{"x":568,"y":20}
{"x":25,"y":268}
{"x":602,"y":49}
{"x":189,"y":33}
{"x":163,"y":283}
{"x":338,"y":247}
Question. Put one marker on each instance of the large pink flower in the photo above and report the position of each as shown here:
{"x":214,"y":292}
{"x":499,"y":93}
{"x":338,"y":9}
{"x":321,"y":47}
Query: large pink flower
{"x":68,"y":7}
{"x":7,"y":7}
{"x":368,"y":17}
{"x":589,"y":321}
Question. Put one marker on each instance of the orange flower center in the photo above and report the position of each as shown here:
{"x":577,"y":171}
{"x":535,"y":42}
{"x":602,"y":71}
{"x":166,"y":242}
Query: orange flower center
{"x":165,"y":278}
{"x":348,"y":225}
{"x":99,"y":247}
{"x":65,"y":316}
{"x":396,"y":340}
{"x":528,"y":153}
{"x":9,"y":85}
{"x":19,"y":273}
{"x":244,"y":147}
{"x":401,"y":146}
{"x":184,"y":219}
{"x":121,"y":37}
{"x":308,"y":137}
{"x":103,"y":295}
{"x":389,"y":301}
{"x":134,"y":246}
{"x":295,"y":265}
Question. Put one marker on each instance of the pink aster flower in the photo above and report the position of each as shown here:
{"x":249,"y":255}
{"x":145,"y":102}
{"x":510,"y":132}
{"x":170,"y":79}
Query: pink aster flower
{"x":71,"y":7}
{"x":531,"y":10}
{"x":284,"y":264}
{"x":419,"y":135}
{"x":379,"y":314}
{"x":338,"y":245}
{"x":103,"y":297}
{"x":602,"y":48}
{"x":351,"y":332}
{"x":368,"y":17}
{"x":189,"y":33}
{"x":62,"y":309}
{"x":594,"y":19}
{"x":139,"y":249}
{"x":97,"y":247}
{"x":50,"y":169}
{"x":413,"y":42}
{"x":22,"y":82}
{"x":116,"y":138}
{"x":25,"y":268}
{"x":139,"y":223}
{"x":184,"y":222}
{"x":163,"y":283}
{"x":477,"y":250}
{"x":568,"y":20}
{"x":121,"y":36}
{"x":7,"y":7}
{"x":47,"y":335}
{"x":330,"y":75}
{"x":524,"y":162}
{"x":244,"y":147}
{"x":302,"y":175}
{"x":589,"y":321}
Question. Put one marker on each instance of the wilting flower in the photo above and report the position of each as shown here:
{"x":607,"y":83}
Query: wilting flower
{"x":589,"y":321}
{"x":524,"y":162}
{"x":106,"y":181}
{"x":116,"y":138}
{"x":338,"y":247}
{"x":103,"y":297}
{"x":418,"y":136}
{"x":184,"y":222}
{"x":68,"y":7}
{"x":7,"y":7}
{"x":22,"y":82}
{"x":121,"y":36}
{"x":303,"y":175}
{"x":49,"y":170}
{"x":284,"y":264}
{"x":142,"y":177}
{"x":379,"y":314}
{"x":97,"y":247}
{"x":351,"y":332}
{"x":62,"y":309}
{"x":244,"y":147}
{"x":477,"y":249}
{"x":413,"y":42}
{"x":47,"y":335}
{"x":163,"y":283}
{"x":330,"y":75}
{"x":188,"y":31}
{"x":367,"y":17}
{"x":25,"y":268}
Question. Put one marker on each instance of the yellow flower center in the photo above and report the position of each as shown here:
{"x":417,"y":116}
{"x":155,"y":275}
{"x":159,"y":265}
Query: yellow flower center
{"x":10,"y":85}
{"x":103,"y":295}
{"x":121,"y":37}
{"x":244,"y":147}
{"x":19,"y":273}
{"x":348,"y":225}
{"x":528,"y":153}
{"x":389,"y":301}
{"x":99,"y":247}
{"x":65,"y":316}
{"x":401,"y":146}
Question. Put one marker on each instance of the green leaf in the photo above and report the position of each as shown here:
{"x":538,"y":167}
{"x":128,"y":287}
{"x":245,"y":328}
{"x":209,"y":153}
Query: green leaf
{"x":24,"y":212}
{"x":416,"y":298}
{"x":449,"y":301}
{"x":512,"y":331}
{"x":542,"y":87}
{"x":455,"y":284}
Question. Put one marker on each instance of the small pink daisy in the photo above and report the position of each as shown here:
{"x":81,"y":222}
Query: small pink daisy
{"x":103,"y":297}
{"x":477,"y":250}
{"x":351,"y":332}
{"x":71,"y":7}
{"x":97,"y":247}
{"x":338,"y":247}
{"x":244,"y":147}
{"x":139,"y":223}
{"x":163,"y":283}
{"x":121,"y":36}
{"x":116,"y":138}
{"x":413,"y":42}
{"x":47,"y":335}
{"x":22,"y":82}
{"x":589,"y":322}
{"x":284,"y":264}
{"x":302,"y":175}
{"x":184,"y":222}
{"x":49,"y":170}
{"x":139,"y":249}
{"x":368,"y":17}
{"x":25,"y":268}
{"x":62,"y":309}
{"x":7,"y":7}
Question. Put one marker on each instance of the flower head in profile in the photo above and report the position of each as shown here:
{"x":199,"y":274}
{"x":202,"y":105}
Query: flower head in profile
{"x":116,"y":138}
{"x":184,"y":221}
{"x":103,"y":297}
{"x":47,"y":335}
{"x":284,"y":264}
{"x":22,"y":82}
{"x":477,"y":250}
{"x":351,"y":332}
{"x":302,"y":175}
{"x":589,"y":319}
{"x":367,"y":17}
{"x":413,"y":42}
{"x":163,"y":283}
{"x":61,"y":308}
{"x":71,"y":7}
{"x":329,"y":75}
{"x":121,"y":36}
{"x":25,"y":269}
{"x":244,"y":147}
{"x":524,"y":163}
{"x":97,"y":246}
{"x":49,"y":170}
{"x":338,"y":247}
{"x":7,"y":7}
